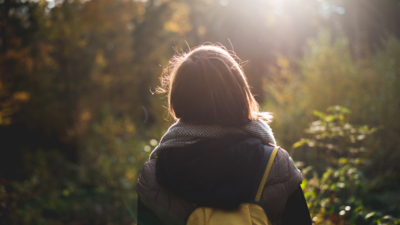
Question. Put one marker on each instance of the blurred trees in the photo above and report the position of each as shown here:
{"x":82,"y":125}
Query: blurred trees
{"x":329,"y":75}
{"x":76,"y":80}
{"x":67,"y":63}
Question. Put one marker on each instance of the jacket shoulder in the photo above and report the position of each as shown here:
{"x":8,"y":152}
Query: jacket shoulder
{"x":169,"y":208}
{"x":284,"y":170}
{"x":284,"y":178}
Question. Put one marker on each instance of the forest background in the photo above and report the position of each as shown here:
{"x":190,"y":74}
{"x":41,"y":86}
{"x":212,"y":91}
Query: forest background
{"x":79,"y":117}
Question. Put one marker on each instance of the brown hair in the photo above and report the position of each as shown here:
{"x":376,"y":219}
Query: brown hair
{"x":208,"y":85}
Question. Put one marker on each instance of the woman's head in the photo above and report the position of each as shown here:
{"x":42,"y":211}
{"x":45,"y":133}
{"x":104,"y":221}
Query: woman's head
{"x":208,"y":85}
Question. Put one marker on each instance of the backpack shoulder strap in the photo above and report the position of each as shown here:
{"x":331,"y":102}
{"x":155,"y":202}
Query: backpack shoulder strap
{"x":265,"y":176}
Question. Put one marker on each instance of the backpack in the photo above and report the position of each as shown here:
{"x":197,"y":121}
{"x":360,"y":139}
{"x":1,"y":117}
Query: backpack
{"x":251,"y":212}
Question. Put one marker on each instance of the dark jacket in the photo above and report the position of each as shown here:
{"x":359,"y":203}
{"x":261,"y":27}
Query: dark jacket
{"x":220,"y":173}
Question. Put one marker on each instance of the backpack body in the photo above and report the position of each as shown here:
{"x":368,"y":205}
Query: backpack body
{"x":247,"y":213}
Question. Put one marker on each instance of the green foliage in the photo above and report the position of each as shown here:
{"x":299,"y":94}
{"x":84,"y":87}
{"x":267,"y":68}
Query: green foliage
{"x":329,"y":75}
{"x":113,"y":155}
{"x":100,"y":188}
{"x":334,"y":139}
{"x":335,"y":186}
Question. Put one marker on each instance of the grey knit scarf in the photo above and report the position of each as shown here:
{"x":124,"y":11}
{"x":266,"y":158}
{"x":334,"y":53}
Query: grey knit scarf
{"x":182,"y":134}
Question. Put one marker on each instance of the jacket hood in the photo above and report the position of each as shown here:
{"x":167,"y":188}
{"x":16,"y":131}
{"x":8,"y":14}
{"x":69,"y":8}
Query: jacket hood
{"x":218,"y":173}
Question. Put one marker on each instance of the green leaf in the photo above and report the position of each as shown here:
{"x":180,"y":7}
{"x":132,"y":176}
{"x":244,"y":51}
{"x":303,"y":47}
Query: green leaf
{"x":321,"y":115}
{"x":369,"y":215}
{"x":339,"y":109}
{"x":301,"y":142}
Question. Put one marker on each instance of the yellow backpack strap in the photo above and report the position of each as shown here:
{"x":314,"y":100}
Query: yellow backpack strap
{"x":265,"y":176}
